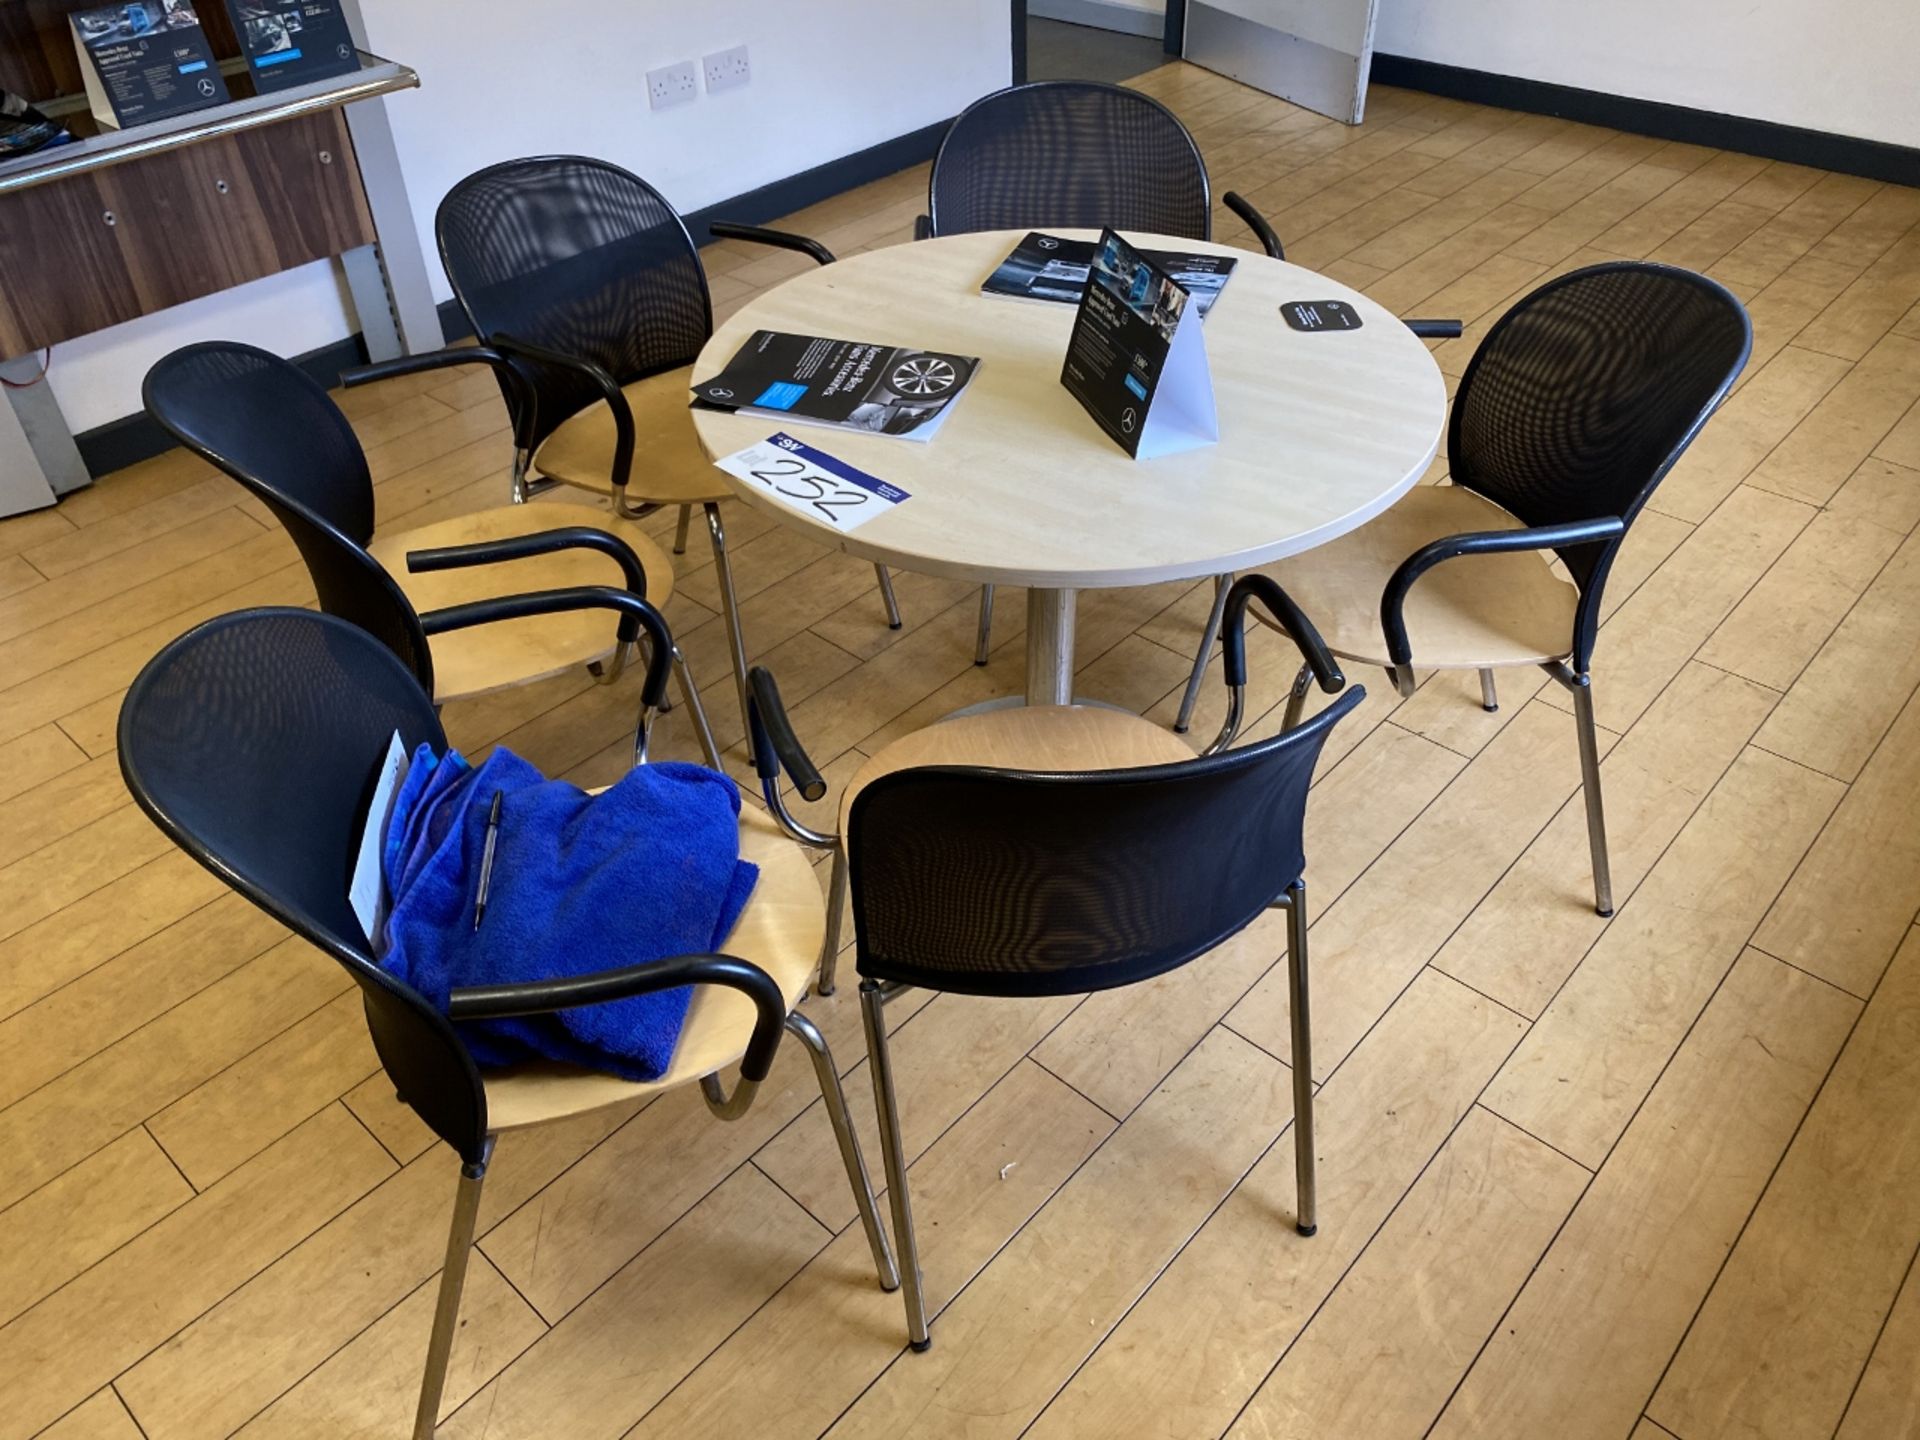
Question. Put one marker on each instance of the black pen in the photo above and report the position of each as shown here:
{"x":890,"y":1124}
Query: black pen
{"x":486,"y":858}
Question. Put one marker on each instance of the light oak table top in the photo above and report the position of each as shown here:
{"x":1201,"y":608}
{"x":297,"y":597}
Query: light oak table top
{"x":1318,"y":432}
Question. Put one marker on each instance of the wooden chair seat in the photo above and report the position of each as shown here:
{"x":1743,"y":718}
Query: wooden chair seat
{"x":1474,"y":612}
{"x":780,"y":931}
{"x":514,"y":652}
{"x":1027,"y":737}
{"x":669,"y":467}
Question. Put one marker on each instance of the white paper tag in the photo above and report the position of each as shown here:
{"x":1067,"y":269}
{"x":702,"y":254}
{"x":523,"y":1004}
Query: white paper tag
{"x":368,"y":892}
{"x":825,"y":490}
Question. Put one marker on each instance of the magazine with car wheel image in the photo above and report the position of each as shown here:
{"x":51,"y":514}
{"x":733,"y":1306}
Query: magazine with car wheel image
{"x":847,"y":384}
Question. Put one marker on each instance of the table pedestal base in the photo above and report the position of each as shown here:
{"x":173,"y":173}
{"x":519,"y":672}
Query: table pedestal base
{"x":1050,"y":646}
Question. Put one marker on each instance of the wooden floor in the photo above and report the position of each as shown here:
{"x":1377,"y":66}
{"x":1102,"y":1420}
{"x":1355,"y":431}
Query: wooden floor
{"x":1658,"y":1177}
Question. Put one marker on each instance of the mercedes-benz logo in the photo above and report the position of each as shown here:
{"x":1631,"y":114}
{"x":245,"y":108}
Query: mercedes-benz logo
{"x":1127,"y":420}
{"x":344,"y":51}
{"x":1047,"y":242}
{"x":719,"y":392}
{"x":923,"y":375}
{"x":206,"y":87}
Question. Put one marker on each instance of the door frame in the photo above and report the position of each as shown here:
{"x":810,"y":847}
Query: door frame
{"x":1173,"y":39}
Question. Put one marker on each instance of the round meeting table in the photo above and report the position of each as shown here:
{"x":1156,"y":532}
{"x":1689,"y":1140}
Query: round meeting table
{"x":1319,"y":432}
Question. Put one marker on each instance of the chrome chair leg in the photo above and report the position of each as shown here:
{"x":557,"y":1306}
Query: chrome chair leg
{"x":984,"y":640}
{"x":730,"y":614}
{"x":691,"y":694}
{"x":1489,"y":697}
{"x":835,"y":1100}
{"x":1221,"y":584}
{"x":453,"y":1280}
{"x":1297,"y":698}
{"x":886,"y":595}
{"x":1582,"y":688}
{"x":680,"y":530}
{"x":1306,"y":1221}
{"x":893,"y":1153}
{"x":836,"y":909}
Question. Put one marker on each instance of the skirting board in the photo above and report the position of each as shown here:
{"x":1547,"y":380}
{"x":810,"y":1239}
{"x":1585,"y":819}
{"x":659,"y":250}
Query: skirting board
{"x":1101,"y":15}
{"x":137,"y":437}
{"x":1872,"y":159}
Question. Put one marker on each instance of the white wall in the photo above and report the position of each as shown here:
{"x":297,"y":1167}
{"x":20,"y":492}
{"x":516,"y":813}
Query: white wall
{"x":830,"y":77}
{"x":500,"y":79}
{"x":1842,"y":66}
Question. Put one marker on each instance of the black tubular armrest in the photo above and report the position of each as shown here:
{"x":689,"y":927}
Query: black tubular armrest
{"x":774,"y":743}
{"x":445,"y":360}
{"x":923,"y":227}
{"x":537,"y":997}
{"x":1393,"y":599}
{"x":427,"y":360}
{"x":1256,"y":222}
{"x":1435,"y":329}
{"x":608,"y":387}
{"x":779,"y":239}
{"x":524,"y":547}
{"x":1279,"y":604}
{"x":635,"y":615}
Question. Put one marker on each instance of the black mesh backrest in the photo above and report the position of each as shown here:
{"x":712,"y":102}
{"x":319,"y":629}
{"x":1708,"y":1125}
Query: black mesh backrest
{"x":253,"y":741}
{"x":578,"y":256}
{"x":1001,"y":882}
{"x":1584,"y":394}
{"x":270,"y":426}
{"x":1062,"y":153}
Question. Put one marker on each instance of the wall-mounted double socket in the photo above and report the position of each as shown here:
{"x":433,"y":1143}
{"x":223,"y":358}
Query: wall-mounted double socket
{"x":726,"y":69}
{"x":672,"y":85}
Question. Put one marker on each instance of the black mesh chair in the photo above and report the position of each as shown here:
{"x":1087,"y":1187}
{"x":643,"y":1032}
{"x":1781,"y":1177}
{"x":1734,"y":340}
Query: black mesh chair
{"x":1573,"y":409}
{"x":492,"y":599}
{"x":1053,"y":850}
{"x":592,"y":305}
{"x":1073,"y":153}
{"x":252,"y":742}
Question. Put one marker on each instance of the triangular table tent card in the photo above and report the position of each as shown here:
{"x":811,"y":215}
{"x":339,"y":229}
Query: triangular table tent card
{"x":1136,"y":359}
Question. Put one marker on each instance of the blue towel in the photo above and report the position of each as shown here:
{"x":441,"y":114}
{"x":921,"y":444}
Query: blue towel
{"x":649,"y":868}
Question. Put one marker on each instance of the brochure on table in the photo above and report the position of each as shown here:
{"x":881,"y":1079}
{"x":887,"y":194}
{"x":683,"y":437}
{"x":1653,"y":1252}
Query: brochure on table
{"x":1136,"y":360}
{"x":1052,"y":269}
{"x":847,"y":384}
{"x":145,"y":61}
{"x":289,"y":42}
